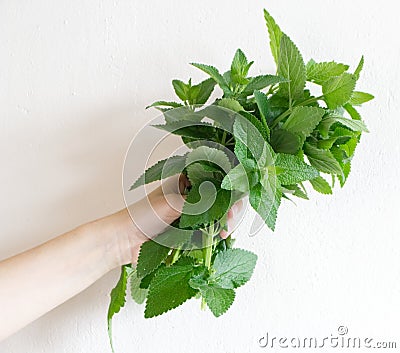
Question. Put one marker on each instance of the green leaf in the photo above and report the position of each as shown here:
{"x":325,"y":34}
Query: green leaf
{"x":255,"y":123}
{"x":233,"y":268}
{"x":326,"y":144}
{"x":249,"y":164}
{"x":303,"y":120}
{"x":197,"y":173}
{"x":181,"y":89}
{"x":227,"y":78}
{"x":275,"y":35}
{"x":180,"y":114}
{"x":187,"y":128}
{"x":324,"y":127}
{"x":236,"y":179}
{"x":197,"y":94}
{"x":354,"y":114}
{"x":230,"y":103}
{"x":161,"y":170}
{"x":240,"y":179}
{"x":170,"y":288}
{"x":117,"y":300}
{"x":260,"y":82}
{"x":218,"y":299}
{"x":309,"y":64}
{"x":266,"y":203}
{"x":223,"y":118}
{"x":204,"y":89}
{"x":138,"y":294}
{"x":320,"y":72}
{"x":359,"y":68}
{"x":344,"y":132}
{"x":358,"y":98}
{"x":278,"y":105}
{"x":216,"y":76}
{"x":321,"y":185}
{"x":346,"y":171}
{"x":284,"y":141}
{"x":342,"y":156}
{"x":355,"y":125}
{"x":204,"y":203}
{"x":339,"y":154}
{"x":338,"y":90}
{"x":249,"y":134}
{"x":196,"y":254}
{"x":154,"y":252}
{"x":211,"y":168}
{"x":349,"y":147}
{"x":200,"y":278}
{"x":295,"y":190}
{"x":211,"y":155}
{"x":165,"y":104}
{"x":240,"y":68}
{"x":146,"y":280}
{"x":291,"y":66}
{"x":193,"y":131}
{"x":295,"y":170}
{"x":263,"y":107}
{"x":323,"y":160}
{"x":241,"y":151}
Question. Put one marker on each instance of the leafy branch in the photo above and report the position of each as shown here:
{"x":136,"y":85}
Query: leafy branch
{"x":264,"y":137}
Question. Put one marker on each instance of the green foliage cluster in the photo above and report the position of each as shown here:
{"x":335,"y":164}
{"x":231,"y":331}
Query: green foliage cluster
{"x":285,"y":137}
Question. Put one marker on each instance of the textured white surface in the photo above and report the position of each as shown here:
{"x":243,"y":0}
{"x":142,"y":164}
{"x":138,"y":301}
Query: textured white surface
{"x":75,"y":77}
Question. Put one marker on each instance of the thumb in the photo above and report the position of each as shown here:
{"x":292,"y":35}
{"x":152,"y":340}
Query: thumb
{"x":155,"y":212}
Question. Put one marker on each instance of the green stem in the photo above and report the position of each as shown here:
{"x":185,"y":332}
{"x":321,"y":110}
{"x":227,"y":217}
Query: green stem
{"x":289,"y":111}
{"x":208,"y":251}
{"x":310,"y":100}
{"x":281,"y":117}
{"x":230,"y":140}
{"x":264,"y":122}
{"x":272,"y":89}
{"x":223,"y":140}
{"x":208,"y":237}
{"x":176,"y":255}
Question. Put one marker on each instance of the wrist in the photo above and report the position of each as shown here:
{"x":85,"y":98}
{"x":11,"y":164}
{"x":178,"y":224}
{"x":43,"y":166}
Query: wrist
{"x":118,"y":238}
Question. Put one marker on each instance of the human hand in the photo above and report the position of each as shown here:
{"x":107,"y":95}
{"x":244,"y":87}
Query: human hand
{"x":143,"y":220}
{"x":232,"y":217}
{"x":150,"y":216}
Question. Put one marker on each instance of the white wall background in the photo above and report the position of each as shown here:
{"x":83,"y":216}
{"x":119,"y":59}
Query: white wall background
{"x":75,"y":77}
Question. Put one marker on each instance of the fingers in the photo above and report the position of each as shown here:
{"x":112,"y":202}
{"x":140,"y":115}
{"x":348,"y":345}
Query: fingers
{"x":174,"y":185}
{"x":231,"y":220}
{"x":224,"y":234}
{"x":164,"y":205}
{"x":184,"y":183}
{"x":171,"y":207}
{"x":170,"y":185}
{"x":154,"y":213}
{"x":237,"y":206}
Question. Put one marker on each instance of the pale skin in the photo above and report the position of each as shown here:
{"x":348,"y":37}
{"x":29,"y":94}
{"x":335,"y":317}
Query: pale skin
{"x":50,"y":274}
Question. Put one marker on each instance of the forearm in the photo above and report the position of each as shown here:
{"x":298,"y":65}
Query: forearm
{"x":36,"y":281}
